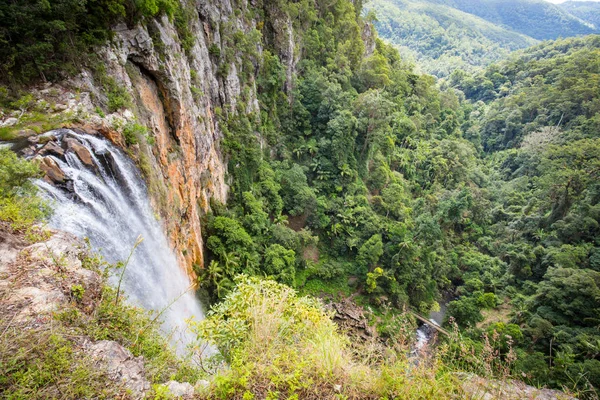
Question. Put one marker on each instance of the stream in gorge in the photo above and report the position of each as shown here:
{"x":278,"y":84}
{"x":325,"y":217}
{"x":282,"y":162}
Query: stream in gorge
{"x":108,"y":204}
{"x":425,"y":334}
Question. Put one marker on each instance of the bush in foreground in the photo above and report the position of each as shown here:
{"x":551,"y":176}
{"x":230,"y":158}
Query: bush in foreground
{"x":279,"y":345}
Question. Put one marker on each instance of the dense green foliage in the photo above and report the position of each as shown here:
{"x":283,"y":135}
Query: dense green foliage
{"x":442,"y":38}
{"x":371,"y":179}
{"x":42,"y":39}
{"x":550,"y":85}
{"x":537,"y":117}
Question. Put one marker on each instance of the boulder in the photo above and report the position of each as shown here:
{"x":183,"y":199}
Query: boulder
{"x":51,"y":148}
{"x":82,"y":153}
{"x":53,"y":172}
{"x":69,"y":250}
{"x":351,"y":318}
{"x":9,"y":122}
{"x":28,"y":152}
{"x":36,"y":301}
{"x":121,"y":365}
{"x":180,"y":389}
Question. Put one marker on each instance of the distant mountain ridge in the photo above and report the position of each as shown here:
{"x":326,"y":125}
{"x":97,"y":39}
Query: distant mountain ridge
{"x":538,"y":19}
{"x":588,"y":11}
{"x":441,"y":38}
{"x":443,"y":35}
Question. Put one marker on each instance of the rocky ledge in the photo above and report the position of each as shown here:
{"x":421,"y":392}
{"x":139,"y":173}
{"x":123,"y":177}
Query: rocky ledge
{"x":37,"y":281}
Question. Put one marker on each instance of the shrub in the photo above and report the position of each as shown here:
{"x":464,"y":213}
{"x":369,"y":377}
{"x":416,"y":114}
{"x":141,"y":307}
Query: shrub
{"x":133,"y":131}
{"x":281,"y":345}
{"x":214,"y":50}
{"x":269,"y":334}
{"x":19,"y":204}
{"x":465,"y":311}
{"x":487,"y":300}
{"x":117,"y":95}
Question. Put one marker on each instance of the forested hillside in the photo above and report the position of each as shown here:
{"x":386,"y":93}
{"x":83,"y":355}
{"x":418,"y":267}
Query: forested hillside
{"x":536,"y":117}
{"x":554,"y":84}
{"x":441,"y":38}
{"x":387,"y":193}
{"x":538,"y":19}
{"x":444,"y":35}
{"x":588,"y":11}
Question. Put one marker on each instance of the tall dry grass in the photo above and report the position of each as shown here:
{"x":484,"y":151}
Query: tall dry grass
{"x":281,"y":346}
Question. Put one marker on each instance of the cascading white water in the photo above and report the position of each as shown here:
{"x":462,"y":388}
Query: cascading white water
{"x":426,"y":333}
{"x":109,"y":205}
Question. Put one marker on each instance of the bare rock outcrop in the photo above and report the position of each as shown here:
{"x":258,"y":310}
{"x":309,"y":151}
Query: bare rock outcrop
{"x":121,"y":366}
{"x":351,"y":318}
{"x":40,"y":277}
{"x":180,"y":390}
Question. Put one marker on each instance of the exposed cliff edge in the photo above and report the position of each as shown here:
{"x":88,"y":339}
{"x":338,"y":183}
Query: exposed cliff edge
{"x":53,"y":300}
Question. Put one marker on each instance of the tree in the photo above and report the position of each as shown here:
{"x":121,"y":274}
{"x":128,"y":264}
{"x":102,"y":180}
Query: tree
{"x":280,"y":263}
{"x":569,"y":296}
{"x":256,"y":220}
{"x":369,"y":253}
{"x":465,"y":311}
{"x":297,"y":196}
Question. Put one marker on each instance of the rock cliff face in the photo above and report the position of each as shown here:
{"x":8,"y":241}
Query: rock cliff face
{"x":176,"y":94}
{"x":186,"y":167}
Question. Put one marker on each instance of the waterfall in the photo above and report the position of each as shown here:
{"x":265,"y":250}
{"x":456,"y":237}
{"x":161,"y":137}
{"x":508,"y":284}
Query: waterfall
{"x":108,"y":204}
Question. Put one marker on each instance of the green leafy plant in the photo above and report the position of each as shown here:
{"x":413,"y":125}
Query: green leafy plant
{"x":19,"y":204}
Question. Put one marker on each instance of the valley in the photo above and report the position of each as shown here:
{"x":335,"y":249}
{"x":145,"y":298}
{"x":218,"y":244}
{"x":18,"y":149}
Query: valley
{"x":286,"y":167}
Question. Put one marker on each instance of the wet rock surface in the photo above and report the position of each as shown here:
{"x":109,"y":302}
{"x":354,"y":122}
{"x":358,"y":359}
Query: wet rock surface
{"x":53,"y":173}
{"x":57,"y":145}
{"x":82,"y":153}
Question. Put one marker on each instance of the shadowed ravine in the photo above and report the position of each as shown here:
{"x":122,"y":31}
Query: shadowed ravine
{"x":108,"y":203}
